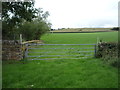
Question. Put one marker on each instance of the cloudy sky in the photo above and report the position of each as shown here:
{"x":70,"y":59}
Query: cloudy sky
{"x":80,"y":13}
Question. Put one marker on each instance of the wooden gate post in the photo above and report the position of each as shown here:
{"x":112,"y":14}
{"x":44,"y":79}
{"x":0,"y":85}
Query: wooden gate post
{"x":20,"y":38}
{"x":95,"y":50}
{"x":26,"y":51}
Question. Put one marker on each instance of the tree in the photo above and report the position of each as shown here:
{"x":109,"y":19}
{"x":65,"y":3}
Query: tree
{"x":33,"y":30}
{"x":23,"y":18}
{"x":13,"y":13}
{"x":36,"y":28}
{"x":115,"y":28}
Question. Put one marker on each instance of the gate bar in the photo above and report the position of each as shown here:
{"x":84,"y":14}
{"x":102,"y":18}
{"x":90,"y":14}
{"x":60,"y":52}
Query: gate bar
{"x":58,"y":58}
{"x":62,"y":48}
{"x":59,"y":55}
{"x":60,"y":44}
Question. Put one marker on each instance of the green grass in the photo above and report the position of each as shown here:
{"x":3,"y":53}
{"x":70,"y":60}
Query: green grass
{"x":84,"y":73}
{"x":68,"y":73}
{"x":79,"y":38}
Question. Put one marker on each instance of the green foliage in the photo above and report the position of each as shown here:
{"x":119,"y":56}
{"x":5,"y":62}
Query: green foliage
{"x":27,"y":30}
{"x":115,"y":29}
{"x":107,"y":48}
{"x":33,"y":30}
{"x":109,"y":52}
{"x":8,"y":31}
{"x":13,"y":14}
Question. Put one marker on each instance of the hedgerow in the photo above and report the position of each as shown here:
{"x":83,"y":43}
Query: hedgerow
{"x":108,"y":51}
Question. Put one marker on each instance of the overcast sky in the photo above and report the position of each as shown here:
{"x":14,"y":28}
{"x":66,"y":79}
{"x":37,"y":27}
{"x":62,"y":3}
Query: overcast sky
{"x":80,"y":13}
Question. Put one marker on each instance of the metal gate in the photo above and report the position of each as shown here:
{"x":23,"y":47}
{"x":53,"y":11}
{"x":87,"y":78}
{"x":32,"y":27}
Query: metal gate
{"x":59,"y":51}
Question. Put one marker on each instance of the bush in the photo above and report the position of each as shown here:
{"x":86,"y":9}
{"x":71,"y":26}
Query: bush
{"x":33,"y":30}
{"x":108,"y":51}
{"x":115,"y":29}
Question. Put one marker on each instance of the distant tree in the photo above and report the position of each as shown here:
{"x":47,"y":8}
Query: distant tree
{"x":115,"y":29}
{"x":52,"y":29}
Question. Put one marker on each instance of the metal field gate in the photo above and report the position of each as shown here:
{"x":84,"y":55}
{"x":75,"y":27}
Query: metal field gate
{"x":59,"y":51}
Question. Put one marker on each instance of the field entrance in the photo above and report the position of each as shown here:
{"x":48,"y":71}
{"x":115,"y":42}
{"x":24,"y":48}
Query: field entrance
{"x":59,"y":51}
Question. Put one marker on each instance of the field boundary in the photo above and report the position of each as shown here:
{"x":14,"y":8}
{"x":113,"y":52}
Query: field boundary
{"x":81,"y":32}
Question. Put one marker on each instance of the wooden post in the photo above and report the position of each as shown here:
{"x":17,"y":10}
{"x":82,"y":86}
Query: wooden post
{"x":20,"y":38}
{"x":97,"y":40}
{"x":26,"y":51}
{"x":95,"y":51}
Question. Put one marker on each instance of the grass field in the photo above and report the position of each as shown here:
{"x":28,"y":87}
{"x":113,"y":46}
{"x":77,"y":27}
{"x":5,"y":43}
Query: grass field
{"x":79,"y":38}
{"x":79,"y":73}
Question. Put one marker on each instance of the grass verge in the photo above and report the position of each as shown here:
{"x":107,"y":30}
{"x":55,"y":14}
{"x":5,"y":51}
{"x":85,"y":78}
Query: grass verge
{"x":84,"y":73}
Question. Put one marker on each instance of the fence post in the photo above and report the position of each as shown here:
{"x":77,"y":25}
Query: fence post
{"x":20,"y":38}
{"x":26,"y":51}
{"x":95,"y":50}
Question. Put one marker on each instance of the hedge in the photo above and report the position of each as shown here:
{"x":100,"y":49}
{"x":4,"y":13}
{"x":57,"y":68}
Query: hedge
{"x":108,"y":51}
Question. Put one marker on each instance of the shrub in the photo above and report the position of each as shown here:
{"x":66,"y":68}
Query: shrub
{"x":108,"y":51}
{"x":33,"y":30}
{"x":115,"y":29}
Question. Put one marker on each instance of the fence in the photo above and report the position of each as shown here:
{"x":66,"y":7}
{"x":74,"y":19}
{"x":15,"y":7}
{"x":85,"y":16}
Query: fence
{"x":59,"y":51}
